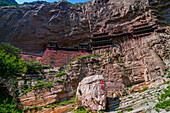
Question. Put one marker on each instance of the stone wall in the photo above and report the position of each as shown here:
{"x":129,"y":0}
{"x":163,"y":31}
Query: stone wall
{"x":55,"y":58}
{"x":31,"y":58}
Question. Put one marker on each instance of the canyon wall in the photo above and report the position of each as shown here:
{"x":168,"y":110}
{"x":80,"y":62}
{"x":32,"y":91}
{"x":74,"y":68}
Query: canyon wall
{"x":30,"y":27}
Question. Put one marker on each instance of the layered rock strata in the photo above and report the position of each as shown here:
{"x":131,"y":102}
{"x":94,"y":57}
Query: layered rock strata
{"x":135,"y":61}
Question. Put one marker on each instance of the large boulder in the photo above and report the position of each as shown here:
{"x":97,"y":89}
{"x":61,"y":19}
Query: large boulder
{"x":92,"y":93}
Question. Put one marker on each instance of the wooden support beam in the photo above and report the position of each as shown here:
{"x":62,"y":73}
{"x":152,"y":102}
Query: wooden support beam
{"x":100,"y":34}
{"x":101,"y":47}
{"x":144,"y":27}
{"x":140,"y":25}
{"x":140,"y":35}
{"x":143,"y":31}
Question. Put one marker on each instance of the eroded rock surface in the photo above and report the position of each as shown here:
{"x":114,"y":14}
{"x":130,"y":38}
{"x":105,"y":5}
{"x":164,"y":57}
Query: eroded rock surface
{"x":92,"y":93}
{"x":31,"y":27}
{"x":135,"y":61}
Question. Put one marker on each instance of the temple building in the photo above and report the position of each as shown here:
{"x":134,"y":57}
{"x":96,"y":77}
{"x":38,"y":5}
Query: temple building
{"x":143,"y":30}
{"x":106,"y":40}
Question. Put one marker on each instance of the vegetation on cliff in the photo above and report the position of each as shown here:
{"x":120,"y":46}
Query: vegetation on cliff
{"x":3,"y":3}
{"x":35,"y":68}
{"x":9,"y":107}
{"x":11,"y":67}
{"x":10,"y":63}
{"x":8,"y":2}
{"x":164,"y":102}
{"x":34,"y":3}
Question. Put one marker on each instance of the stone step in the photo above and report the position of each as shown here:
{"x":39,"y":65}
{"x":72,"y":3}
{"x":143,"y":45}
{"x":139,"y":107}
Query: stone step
{"x":113,"y":108}
{"x":112,"y":98}
{"x":114,"y":104}
{"x":138,"y":99}
{"x":137,"y":103}
{"x":113,"y":101}
{"x":141,"y":95}
{"x":137,"y":93}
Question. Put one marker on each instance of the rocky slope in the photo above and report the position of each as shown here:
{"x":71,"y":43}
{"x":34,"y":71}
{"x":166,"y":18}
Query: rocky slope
{"x":31,"y":27}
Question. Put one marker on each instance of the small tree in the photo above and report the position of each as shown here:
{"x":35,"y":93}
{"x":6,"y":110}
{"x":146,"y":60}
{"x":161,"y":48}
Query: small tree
{"x":10,"y":50}
{"x":10,"y":63}
{"x":10,"y":66}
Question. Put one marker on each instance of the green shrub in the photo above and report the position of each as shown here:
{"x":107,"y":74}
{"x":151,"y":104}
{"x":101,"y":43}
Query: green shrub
{"x":3,"y":3}
{"x":60,"y":74}
{"x":12,"y":107}
{"x":10,"y":50}
{"x":34,"y":107}
{"x":61,"y":81}
{"x":63,"y":103}
{"x":167,"y":82}
{"x":34,"y":68}
{"x":119,"y":112}
{"x":26,"y":91}
{"x":10,"y":66}
{"x":146,"y":88}
{"x":39,"y":84}
{"x":81,"y":110}
{"x":84,"y":57}
{"x":165,"y":104}
{"x":156,"y":109}
{"x":129,"y":109}
{"x":51,"y":71}
{"x":43,"y":84}
{"x":165,"y":94}
{"x":25,"y":86}
{"x":10,"y":63}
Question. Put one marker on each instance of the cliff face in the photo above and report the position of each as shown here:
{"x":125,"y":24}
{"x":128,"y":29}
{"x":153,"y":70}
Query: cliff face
{"x":138,"y":63}
{"x":112,"y":14}
{"x":135,"y":61}
{"x":31,"y":27}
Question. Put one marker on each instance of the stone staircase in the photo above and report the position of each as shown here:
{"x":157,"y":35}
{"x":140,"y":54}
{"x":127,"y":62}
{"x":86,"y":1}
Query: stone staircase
{"x":113,"y":103}
{"x":138,"y":102}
